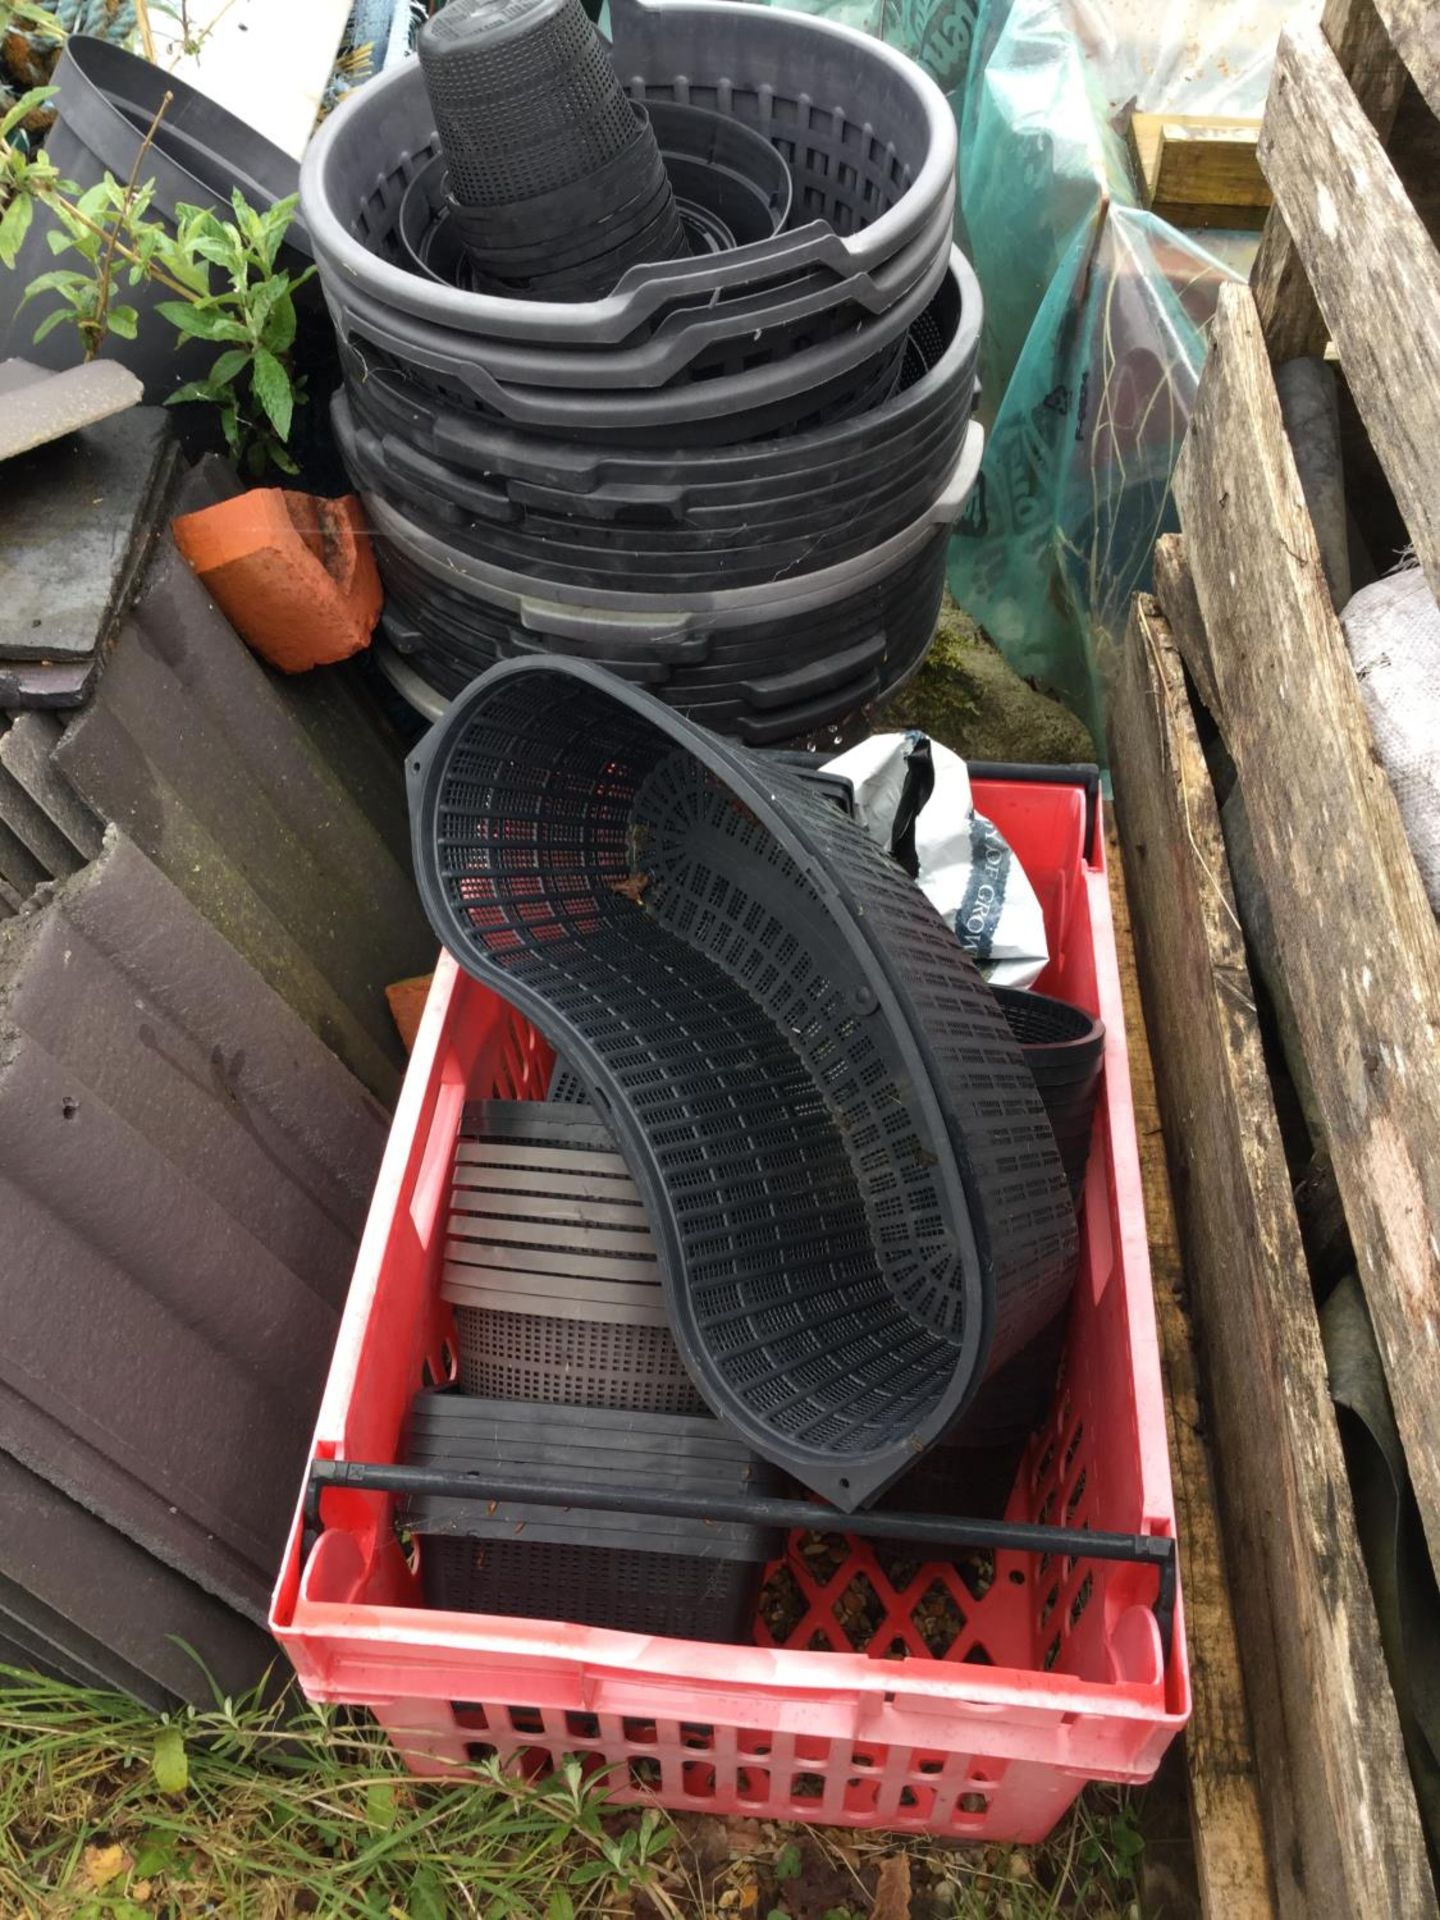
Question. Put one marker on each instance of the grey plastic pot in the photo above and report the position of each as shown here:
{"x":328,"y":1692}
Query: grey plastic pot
{"x":107,"y":100}
{"x":544,"y":606}
{"x":807,"y":329}
{"x":795,"y":77}
{"x":453,"y":465}
{"x":763,"y":664}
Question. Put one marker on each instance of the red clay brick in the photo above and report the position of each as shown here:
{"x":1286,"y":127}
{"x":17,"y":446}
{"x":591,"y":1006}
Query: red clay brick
{"x":407,"y":1002}
{"x":293,"y":574}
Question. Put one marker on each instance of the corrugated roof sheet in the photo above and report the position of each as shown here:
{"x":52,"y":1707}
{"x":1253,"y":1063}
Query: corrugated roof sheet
{"x":184,"y":1172}
{"x":191,"y":747}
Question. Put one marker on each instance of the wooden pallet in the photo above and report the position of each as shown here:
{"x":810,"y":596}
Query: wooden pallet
{"x":1244,"y":618}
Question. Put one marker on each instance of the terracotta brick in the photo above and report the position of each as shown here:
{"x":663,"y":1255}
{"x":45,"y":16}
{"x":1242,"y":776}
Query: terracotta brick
{"x":407,"y":1002}
{"x":293,"y":574}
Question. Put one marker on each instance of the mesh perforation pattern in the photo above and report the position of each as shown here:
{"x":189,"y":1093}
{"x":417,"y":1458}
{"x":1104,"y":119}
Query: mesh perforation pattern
{"x":525,"y":98}
{"x":843,"y":1154}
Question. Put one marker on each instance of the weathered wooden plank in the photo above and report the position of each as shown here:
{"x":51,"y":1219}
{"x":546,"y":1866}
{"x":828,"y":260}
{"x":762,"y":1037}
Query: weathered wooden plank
{"x":1414,"y":26}
{"x":1227,"y":1830}
{"x":1361,"y":947}
{"x":1374,"y":269}
{"x":1175,"y":591}
{"x":1367,"y":57}
{"x":1342,"y":1827}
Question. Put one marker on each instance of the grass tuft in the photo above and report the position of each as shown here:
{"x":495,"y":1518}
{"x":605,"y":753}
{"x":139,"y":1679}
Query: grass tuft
{"x":259,"y":1809}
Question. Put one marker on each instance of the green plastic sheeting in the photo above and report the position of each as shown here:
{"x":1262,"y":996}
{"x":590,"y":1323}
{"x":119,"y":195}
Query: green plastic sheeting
{"x":1075,"y":487}
{"x":1094,"y":310}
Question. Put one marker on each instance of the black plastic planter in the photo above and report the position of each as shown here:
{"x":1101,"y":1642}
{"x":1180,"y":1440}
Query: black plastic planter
{"x":857,"y":1195}
{"x":869,"y":139}
{"x":524,"y":97}
{"x":1064,"y":1048}
{"x":637,"y":1573}
{"x":106,"y":102}
{"x":760,"y":664}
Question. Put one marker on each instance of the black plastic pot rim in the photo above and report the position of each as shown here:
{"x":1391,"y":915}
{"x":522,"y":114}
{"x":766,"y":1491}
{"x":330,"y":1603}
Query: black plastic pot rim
{"x":607,"y":405}
{"x":724,"y":569}
{"x":770,"y":534}
{"x":98,"y":97}
{"x":533,"y":372}
{"x":447,"y":433}
{"x":724,"y":714}
{"x":704,"y":669}
{"x":849,"y":1481}
{"x":765,"y":515}
{"x":621,"y":311}
{"x":746,"y":650}
{"x":859,"y":467}
{"x":740,"y":605}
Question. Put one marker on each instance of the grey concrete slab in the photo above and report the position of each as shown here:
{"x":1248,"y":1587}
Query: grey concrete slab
{"x":35,"y":830}
{"x":98,"y":1599}
{"x":188,"y":740}
{"x":40,"y":406}
{"x":75,"y":520}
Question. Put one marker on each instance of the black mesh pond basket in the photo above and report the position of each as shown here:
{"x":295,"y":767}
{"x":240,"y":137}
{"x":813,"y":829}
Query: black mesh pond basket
{"x":858,"y":1198}
{"x":529,"y":112}
{"x":638,"y":1573}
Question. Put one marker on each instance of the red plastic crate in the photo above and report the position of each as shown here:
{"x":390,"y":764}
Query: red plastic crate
{"x":989,"y":1691}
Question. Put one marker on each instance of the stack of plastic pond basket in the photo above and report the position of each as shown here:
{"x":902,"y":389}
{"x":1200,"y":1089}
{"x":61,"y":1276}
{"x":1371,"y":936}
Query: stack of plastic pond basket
{"x":856,"y":1215}
{"x":727,"y":473}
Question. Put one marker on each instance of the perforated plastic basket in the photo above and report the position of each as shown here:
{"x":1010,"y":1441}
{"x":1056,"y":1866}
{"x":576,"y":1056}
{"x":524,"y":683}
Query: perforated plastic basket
{"x":551,"y":1268}
{"x":485,"y":467}
{"x":968,"y":1698}
{"x":869,"y":138}
{"x":858,"y":1198}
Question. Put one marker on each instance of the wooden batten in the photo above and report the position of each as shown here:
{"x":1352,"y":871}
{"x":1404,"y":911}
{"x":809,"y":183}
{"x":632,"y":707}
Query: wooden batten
{"x":1293,"y":322}
{"x":1374,"y":269}
{"x":1342,"y":1827}
{"x":1361,"y":947}
{"x":1226,"y":1824}
{"x":1199,"y":170}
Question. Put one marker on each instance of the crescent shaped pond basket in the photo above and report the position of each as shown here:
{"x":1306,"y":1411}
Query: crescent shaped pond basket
{"x":849,"y":1175}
